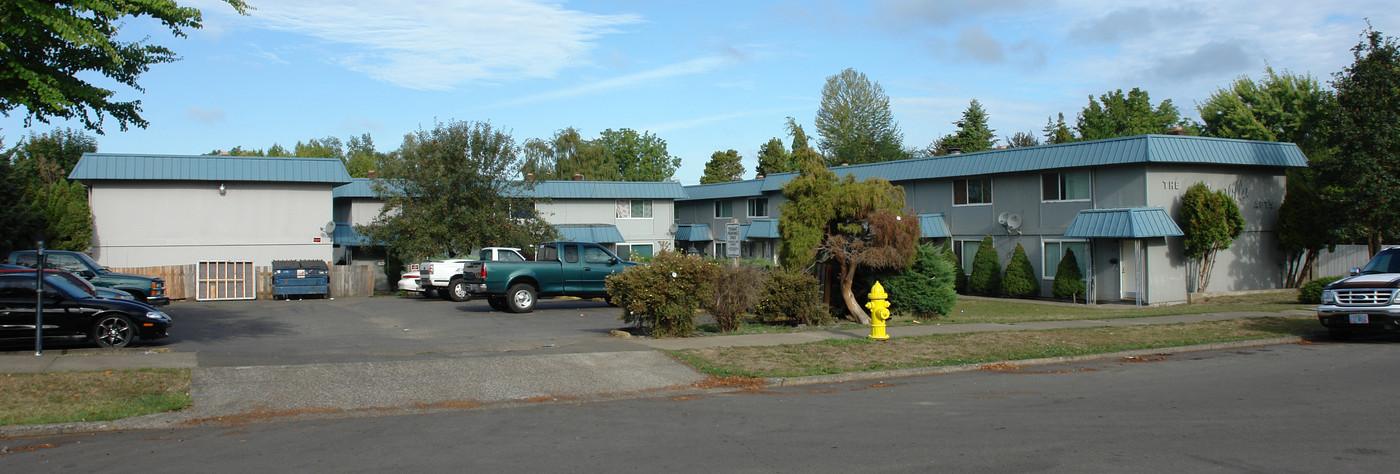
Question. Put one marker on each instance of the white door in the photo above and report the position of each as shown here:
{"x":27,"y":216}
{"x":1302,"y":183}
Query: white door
{"x":1128,"y":269}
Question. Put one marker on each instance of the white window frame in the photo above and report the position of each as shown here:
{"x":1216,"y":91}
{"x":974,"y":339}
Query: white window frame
{"x":624,"y":208}
{"x":990,"y":196}
{"x":721,"y":204}
{"x":720,"y":248}
{"x":965,"y":257}
{"x":751,"y":206}
{"x":1060,"y":186}
{"x":1048,"y":270}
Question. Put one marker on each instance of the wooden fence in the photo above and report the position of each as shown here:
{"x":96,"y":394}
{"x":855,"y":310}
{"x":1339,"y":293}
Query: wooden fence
{"x":181,"y":280}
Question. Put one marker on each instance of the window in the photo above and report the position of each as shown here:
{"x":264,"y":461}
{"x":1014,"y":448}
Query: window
{"x":1065,"y":186}
{"x":631,"y":251}
{"x":758,"y":207}
{"x":972,"y":191}
{"x":596,"y":255}
{"x":966,"y":250}
{"x":571,"y":253}
{"x":720,"y":249}
{"x":633,"y":208}
{"x":724,"y":209}
{"x":1054,"y":251}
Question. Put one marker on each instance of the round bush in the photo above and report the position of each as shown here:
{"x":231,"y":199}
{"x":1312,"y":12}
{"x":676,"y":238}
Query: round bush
{"x":1311,"y":292}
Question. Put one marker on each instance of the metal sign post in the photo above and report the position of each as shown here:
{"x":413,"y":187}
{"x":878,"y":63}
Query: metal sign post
{"x":39,"y":299}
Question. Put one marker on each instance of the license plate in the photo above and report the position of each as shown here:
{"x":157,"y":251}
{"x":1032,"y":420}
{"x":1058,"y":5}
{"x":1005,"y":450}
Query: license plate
{"x":1359,"y":319}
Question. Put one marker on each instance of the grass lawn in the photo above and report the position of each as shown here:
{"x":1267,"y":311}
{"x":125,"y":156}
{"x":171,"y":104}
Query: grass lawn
{"x":58,"y":397}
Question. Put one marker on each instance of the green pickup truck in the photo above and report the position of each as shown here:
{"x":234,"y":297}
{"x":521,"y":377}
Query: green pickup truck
{"x":146,"y":289}
{"x":560,"y":269}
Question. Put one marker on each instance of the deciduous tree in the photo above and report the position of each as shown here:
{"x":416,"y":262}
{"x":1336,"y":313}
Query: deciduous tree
{"x":1362,"y":180}
{"x":639,"y":156}
{"x":50,"y":51}
{"x":1118,"y":115}
{"x":1057,"y":131}
{"x":1211,"y":221}
{"x":448,"y":190}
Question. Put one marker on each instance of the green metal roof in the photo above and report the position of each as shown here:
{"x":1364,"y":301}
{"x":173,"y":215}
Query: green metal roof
{"x":596,"y":233}
{"x":605,"y":190}
{"x":129,"y":167}
{"x":1123,"y":223}
{"x":358,"y":188}
{"x":693,"y":233}
{"x":933,"y":226}
{"x":1113,"y":151}
{"x":761,"y":229}
{"x":752,"y":187}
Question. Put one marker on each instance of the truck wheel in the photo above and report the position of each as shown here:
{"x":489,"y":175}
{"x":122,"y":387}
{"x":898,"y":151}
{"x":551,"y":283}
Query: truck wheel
{"x":457,"y":291}
{"x":520,"y":298}
{"x":497,"y":303}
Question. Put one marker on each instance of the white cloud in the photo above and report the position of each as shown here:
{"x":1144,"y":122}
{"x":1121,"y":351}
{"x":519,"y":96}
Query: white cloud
{"x":205,"y":115}
{"x":440,"y":44}
{"x":694,"y":66}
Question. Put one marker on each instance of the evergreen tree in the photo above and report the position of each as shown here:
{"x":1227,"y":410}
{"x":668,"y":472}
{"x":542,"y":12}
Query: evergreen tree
{"x":926,"y":288}
{"x":773,"y":158}
{"x":1020,"y":278}
{"x":959,"y":275}
{"x":1069,"y":282}
{"x":986,"y":270}
{"x":973,"y":133}
{"x":1057,"y":131}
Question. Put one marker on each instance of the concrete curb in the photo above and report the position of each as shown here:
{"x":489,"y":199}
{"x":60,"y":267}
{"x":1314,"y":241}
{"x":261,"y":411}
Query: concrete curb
{"x":948,"y":369}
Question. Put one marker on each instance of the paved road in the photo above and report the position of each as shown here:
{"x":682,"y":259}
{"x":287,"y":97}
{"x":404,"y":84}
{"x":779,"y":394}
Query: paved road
{"x":1285,"y":408}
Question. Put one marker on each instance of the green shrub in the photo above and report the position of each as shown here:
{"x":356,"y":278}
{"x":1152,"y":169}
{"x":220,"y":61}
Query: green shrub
{"x":959,"y":275}
{"x":1020,"y":278}
{"x":735,"y":291}
{"x":663,"y":295}
{"x":1069,"y":281}
{"x":1311,"y":292}
{"x":791,"y":295}
{"x":986,"y":270}
{"x":925,"y":289}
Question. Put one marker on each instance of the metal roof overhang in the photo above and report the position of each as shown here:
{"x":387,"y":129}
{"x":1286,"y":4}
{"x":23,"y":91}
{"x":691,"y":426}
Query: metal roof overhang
{"x":762,"y":229}
{"x":596,"y":233}
{"x":694,"y":233}
{"x":933,"y":226}
{"x":1123,"y":223}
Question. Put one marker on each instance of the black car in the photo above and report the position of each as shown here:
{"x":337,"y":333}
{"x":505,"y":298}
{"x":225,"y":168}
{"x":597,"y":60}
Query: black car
{"x":71,"y":311}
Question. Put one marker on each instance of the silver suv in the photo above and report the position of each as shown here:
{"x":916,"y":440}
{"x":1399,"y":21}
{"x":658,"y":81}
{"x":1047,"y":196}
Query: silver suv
{"x":1364,"y":302}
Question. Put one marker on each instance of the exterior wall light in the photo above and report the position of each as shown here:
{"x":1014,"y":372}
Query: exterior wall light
{"x":222,"y":190}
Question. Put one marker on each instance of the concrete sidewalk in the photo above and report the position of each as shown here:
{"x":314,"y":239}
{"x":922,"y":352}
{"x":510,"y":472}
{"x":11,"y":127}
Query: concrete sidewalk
{"x":234,"y":394}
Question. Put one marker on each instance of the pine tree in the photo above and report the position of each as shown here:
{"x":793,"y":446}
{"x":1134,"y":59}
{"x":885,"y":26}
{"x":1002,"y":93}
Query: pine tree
{"x":1020,"y":275}
{"x":986,"y":270}
{"x":1069,"y":282}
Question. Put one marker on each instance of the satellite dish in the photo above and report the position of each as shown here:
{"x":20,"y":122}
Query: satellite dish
{"x":1001,"y":218}
{"x":330,"y":227}
{"x":1013,"y":222}
{"x":673,"y":228}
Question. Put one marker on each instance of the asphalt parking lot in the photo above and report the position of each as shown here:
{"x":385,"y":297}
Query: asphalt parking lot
{"x":385,"y":328}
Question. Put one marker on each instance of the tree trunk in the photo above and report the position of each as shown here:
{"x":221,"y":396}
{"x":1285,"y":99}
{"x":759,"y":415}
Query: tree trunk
{"x":848,"y":276}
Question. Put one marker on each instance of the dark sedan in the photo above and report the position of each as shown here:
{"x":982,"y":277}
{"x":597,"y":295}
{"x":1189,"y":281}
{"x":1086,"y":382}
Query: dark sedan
{"x":71,"y":311}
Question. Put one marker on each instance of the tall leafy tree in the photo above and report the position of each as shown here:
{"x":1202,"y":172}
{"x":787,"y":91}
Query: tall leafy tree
{"x":566,"y":154}
{"x":1211,"y":221}
{"x":773,"y":158}
{"x":1362,"y":179}
{"x":45,"y":158}
{"x":329,"y":147}
{"x":639,"y":156}
{"x":1290,"y":108}
{"x":49,"y":51}
{"x":973,"y":133}
{"x":42,"y":164}
{"x":1116,"y":114}
{"x":361,"y":157}
{"x":19,"y":221}
{"x":855,"y":123}
{"x":448,"y":190}
{"x":724,"y":166}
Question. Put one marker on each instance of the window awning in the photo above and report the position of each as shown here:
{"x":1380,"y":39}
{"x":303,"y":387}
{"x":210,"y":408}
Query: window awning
{"x":1123,"y":223}
{"x":933,"y":226}
{"x":596,"y":233}
{"x":694,"y":233}
{"x":761,"y":229}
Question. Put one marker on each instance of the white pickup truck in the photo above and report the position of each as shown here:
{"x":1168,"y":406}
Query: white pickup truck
{"x":444,"y":277}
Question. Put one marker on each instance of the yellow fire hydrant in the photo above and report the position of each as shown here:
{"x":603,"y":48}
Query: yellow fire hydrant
{"x":879,"y":312}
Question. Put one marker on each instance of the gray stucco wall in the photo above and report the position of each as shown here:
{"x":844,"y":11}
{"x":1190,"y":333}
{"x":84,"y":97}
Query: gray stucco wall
{"x":155,"y":223}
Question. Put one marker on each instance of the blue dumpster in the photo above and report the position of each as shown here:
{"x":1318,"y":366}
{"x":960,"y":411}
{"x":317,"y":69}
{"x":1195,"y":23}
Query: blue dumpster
{"x":300,"y":278}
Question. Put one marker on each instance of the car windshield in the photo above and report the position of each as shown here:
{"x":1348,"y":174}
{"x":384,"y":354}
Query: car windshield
{"x":1388,"y":261}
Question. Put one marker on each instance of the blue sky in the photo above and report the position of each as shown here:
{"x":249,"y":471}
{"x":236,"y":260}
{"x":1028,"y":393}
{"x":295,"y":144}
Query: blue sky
{"x":703,"y":76}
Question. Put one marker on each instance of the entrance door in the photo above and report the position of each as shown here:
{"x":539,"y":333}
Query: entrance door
{"x":1128,"y":269}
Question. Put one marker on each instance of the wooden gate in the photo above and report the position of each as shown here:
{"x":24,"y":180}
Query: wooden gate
{"x":225,"y":281}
